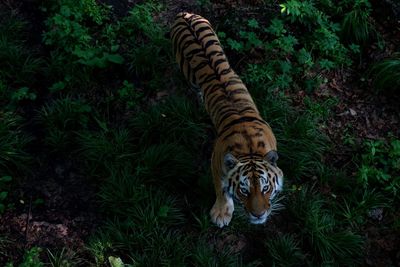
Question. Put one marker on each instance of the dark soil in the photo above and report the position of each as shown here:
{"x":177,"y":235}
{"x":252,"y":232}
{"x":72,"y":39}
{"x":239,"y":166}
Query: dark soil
{"x":56,"y":209}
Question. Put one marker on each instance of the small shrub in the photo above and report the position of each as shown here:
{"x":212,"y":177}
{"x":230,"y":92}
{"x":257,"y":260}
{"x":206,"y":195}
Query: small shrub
{"x":63,"y":258}
{"x":355,"y":209}
{"x":148,"y":48}
{"x":19,"y":63}
{"x":31,"y":259}
{"x":101,"y":149}
{"x":61,"y":119}
{"x":284,"y":250}
{"x":3,"y":192}
{"x":204,"y":255}
{"x":79,"y":38}
{"x":327,"y":238}
{"x":13,"y":142}
{"x":130,"y":95}
{"x":386,"y":74}
{"x":380,"y":166}
{"x":176,"y":120}
{"x":356,"y":27}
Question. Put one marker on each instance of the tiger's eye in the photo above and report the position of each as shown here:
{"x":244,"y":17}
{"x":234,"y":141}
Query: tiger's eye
{"x":265,"y":190}
{"x":244,"y":191}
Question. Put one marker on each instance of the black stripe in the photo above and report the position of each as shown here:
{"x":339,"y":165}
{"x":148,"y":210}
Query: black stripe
{"x":210,"y":43}
{"x":227,"y":114}
{"x":249,"y":108}
{"x":225,"y":71}
{"x":210,"y":89}
{"x":194,"y":18}
{"x":198,"y":23}
{"x":183,"y":38}
{"x":177,"y":25}
{"x":244,"y":100}
{"x":181,"y":62}
{"x":181,"y":42}
{"x":187,"y":44}
{"x":230,"y":82}
{"x":219,"y":98}
{"x":215,"y":52}
{"x":179,"y":30}
{"x":204,"y":75}
{"x":176,"y":41}
{"x":238,"y":91}
{"x":201,"y":29}
{"x":205,"y":36}
{"x":180,"y":15}
{"x":213,"y":96}
{"x":191,"y":17}
{"x":214,"y":88}
{"x":230,"y":134}
{"x":209,"y":79}
{"x":189,"y":72}
{"x":216,"y":109}
{"x":219,"y":61}
{"x":241,"y":120}
{"x":194,"y":54}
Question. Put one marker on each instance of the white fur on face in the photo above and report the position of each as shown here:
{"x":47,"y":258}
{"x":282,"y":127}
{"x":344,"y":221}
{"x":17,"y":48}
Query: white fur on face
{"x":262,"y":219}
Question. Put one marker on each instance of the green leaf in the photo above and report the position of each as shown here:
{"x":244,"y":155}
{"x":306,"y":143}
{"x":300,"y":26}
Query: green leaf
{"x":57,"y":86}
{"x":115,"y":261}
{"x":235,"y":45}
{"x":252,"y":23}
{"x":163,"y":212}
{"x":5,"y":179}
{"x":276,"y":28}
{"x":114,"y":58}
{"x":304,"y":57}
{"x":395,"y":149}
{"x":283,"y":8}
{"x":221,"y":35}
{"x":3,"y":195}
{"x":286,"y":66}
{"x":114,"y":48}
{"x":326,"y":64}
{"x":355,"y":48}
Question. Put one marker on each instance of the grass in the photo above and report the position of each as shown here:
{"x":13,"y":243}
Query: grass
{"x":284,"y":250}
{"x":19,"y":62}
{"x":13,"y":141}
{"x":94,"y":98}
{"x":356,"y":26}
{"x":329,"y":240}
{"x":63,"y":258}
{"x":386,"y":74}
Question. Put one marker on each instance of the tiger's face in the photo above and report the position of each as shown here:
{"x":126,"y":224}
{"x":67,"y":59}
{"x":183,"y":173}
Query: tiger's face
{"x":254,"y":183}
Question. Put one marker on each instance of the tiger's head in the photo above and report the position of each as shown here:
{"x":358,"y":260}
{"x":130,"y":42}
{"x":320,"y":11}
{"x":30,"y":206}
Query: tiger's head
{"x":253,"y":182}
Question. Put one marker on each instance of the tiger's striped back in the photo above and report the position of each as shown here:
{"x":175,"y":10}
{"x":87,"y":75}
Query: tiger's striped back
{"x":204,"y":64}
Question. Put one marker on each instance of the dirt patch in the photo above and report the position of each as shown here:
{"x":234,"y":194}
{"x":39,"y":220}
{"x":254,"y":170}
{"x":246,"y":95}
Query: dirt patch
{"x":62,"y":212}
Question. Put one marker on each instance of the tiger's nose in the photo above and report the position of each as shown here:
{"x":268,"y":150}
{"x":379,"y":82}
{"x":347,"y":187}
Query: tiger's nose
{"x":257,"y":215}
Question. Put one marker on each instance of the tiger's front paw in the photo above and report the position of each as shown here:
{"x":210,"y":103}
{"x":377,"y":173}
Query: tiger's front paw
{"x":221,"y":212}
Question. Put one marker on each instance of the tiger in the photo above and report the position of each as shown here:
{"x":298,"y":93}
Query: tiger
{"x":244,"y":158}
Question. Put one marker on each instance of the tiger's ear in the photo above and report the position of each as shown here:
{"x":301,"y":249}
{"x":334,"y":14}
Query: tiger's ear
{"x":230,"y":161}
{"x":272,"y":157}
